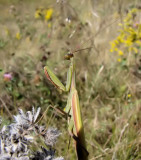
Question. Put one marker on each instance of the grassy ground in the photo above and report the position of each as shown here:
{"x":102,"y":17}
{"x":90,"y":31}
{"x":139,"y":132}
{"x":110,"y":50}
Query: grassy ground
{"x":109,"y":90}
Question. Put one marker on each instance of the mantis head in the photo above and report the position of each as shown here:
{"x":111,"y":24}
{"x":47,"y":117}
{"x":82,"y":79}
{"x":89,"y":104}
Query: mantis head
{"x":68,"y":56}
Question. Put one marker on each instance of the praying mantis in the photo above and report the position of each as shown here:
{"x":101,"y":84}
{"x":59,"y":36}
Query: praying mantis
{"x":72,"y":109}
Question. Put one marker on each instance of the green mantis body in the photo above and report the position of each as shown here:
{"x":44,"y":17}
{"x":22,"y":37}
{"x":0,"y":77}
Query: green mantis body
{"x":75,"y":125}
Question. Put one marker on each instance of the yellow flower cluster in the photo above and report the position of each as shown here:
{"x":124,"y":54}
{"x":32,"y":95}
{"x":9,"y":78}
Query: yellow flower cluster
{"x":129,"y":38}
{"x":42,"y":13}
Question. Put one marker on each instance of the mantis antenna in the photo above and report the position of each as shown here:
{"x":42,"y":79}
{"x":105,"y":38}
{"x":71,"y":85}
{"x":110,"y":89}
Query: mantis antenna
{"x":71,"y":54}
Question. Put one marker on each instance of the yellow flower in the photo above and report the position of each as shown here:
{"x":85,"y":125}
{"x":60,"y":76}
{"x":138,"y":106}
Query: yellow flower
{"x":116,"y":49}
{"x":37,"y":13}
{"x":119,"y":60}
{"x":128,"y":43}
{"x":116,"y":41}
{"x":120,"y":38}
{"x":138,"y":42}
{"x":120,"y":53}
{"x":18,"y":35}
{"x":129,"y":95}
{"x":48,"y":14}
{"x":111,"y":50}
{"x":113,"y":45}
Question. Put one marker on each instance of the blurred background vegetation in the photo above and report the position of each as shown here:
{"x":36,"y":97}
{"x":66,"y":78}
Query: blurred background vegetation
{"x":36,"y":33}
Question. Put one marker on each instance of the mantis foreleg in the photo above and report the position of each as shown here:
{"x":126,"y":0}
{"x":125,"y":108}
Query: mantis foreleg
{"x":56,"y":82}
